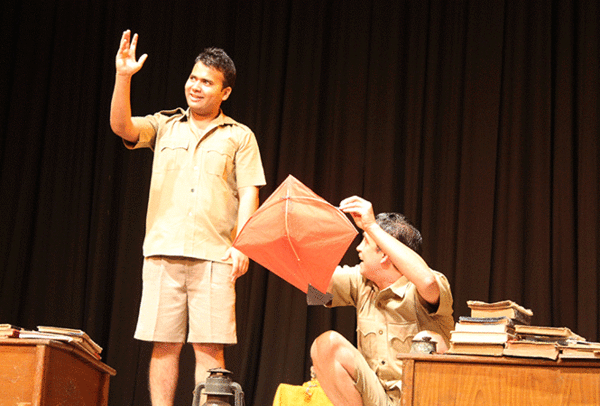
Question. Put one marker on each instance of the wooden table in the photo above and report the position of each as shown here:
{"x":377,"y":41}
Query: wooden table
{"x":436,"y":379}
{"x":46,"y":372}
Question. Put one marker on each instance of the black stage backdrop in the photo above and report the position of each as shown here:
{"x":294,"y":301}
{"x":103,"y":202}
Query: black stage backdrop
{"x":477,"y":119}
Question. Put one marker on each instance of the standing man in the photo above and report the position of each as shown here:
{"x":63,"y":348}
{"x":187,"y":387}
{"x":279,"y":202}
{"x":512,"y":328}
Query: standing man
{"x":205,"y":179}
{"x":396,"y":296}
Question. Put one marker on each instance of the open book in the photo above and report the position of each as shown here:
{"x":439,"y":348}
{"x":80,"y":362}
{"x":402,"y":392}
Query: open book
{"x":72,"y":333}
{"x":77,"y":338}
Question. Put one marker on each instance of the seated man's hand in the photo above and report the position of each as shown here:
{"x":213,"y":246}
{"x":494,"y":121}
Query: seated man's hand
{"x":361,"y":211}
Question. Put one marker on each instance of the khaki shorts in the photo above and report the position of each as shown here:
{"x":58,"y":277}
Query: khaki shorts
{"x":187,"y":297}
{"x":368,"y":384}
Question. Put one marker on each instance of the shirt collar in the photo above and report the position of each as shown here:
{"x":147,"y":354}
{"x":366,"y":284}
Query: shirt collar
{"x":221,"y":118}
{"x":399,"y":287}
{"x":219,"y":121}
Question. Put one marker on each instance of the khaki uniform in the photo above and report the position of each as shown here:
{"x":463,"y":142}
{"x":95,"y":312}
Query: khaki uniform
{"x":193,"y":203}
{"x":387,"y":320}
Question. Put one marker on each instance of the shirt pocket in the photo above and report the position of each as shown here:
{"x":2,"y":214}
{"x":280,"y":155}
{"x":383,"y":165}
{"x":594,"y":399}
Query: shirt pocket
{"x":217,"y":163}
{"x":171,"y":153}
{"x":371,"y":339}
{"x":400,"y":336}
{"x":383,"y":340}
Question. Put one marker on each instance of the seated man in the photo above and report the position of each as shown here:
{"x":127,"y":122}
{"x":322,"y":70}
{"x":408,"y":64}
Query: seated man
{"x":396,"y":296}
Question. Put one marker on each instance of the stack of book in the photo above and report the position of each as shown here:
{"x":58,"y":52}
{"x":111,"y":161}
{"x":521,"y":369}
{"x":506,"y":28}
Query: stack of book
{"x":489,"y":328}
{"x":540,"y":341}
{"x":77,"y":338}
{"x":504,"y":329}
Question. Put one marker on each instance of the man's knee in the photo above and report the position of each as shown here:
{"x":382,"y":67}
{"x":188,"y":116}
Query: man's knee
{"x":325,"y":343}
{"x":209,"y":349}
{"x":334,"y":359}
{"x":209,"y":354}
{"x":166,"y":349}
{"x":329,"y":346}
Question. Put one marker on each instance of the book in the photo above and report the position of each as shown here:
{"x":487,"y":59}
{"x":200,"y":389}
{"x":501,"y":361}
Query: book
{"x":506,"y":308}
{"x":531,"y":349}
{"x":4,"y":326}
{"x":549,"y":332}
{"x":9,"y":330}
{"x":13,"y":333}
{"x":77,"y":342}
{"x":571,"y":353}
{"x":580,"y":350}
{"x":483,"y":328}
{"x":48,"y":336}
{"x":495,"y":350}
{"x":478,"y":337}
{"x":486,"y":320}
{"x":73,"y":333}
{"x":485,"y":325}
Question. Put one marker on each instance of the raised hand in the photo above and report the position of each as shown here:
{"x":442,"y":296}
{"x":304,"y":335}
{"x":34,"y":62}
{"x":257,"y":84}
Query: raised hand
{"x":126,"y":63}
{"x":360,"y":209}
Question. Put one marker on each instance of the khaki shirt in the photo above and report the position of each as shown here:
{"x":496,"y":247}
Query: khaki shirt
{"x":193,"y":203}
{"x":387,"y":320}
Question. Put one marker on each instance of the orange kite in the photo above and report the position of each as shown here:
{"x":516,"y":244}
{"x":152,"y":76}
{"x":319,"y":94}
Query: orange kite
{"x":298,"y":236}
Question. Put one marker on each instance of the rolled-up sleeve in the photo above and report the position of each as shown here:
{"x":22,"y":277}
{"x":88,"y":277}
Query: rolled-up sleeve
{"x":344,"y":286}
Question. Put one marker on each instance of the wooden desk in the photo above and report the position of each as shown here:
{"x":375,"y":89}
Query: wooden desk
{"x":449,"y":380}
{"x":48,"y":373}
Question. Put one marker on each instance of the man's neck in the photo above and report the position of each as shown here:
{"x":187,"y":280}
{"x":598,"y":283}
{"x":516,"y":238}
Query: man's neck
{"x":387,"y":278}
{"x":201,"y":121}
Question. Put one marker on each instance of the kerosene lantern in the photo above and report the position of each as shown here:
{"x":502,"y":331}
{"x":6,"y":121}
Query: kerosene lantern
{"x":218,"y":389}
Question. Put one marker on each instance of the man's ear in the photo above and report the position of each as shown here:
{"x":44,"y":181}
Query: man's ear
{"x":226,"y":93}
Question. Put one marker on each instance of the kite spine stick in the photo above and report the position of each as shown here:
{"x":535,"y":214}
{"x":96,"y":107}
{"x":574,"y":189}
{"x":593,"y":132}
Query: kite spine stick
{"x":287,"y":230}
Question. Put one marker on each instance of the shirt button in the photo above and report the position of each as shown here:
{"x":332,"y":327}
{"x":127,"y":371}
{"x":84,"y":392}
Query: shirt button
{"x":380,"y":332}
{"x":382,"y":362}
{"x":192,"y":190}
{"x":195,"y":168}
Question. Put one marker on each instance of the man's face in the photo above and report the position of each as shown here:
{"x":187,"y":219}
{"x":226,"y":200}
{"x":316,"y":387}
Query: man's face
{"x":370,"y":255}
{"x":204,"y":90}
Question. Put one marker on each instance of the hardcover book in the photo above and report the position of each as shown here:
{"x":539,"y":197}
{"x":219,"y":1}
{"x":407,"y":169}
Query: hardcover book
{"x":580,"y":350}
{"x":506,"y":308}
{"x":531,"y":349}
{"x":477,"y":337}
{"x":495,"y":350}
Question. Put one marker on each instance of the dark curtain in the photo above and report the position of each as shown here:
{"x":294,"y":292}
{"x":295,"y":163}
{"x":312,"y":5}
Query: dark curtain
{"x":477,"y":119}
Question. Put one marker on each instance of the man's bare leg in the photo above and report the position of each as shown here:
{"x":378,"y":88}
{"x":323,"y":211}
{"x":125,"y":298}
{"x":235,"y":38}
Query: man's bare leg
{"x":207,"y":356}
{"x":164,"y":373}
{"x":333,"y":361}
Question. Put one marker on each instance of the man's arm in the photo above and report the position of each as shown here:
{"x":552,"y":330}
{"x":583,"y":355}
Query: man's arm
{"x":248,"y":205}
{"x":411,"y":264}
{"x":126,"y":64}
